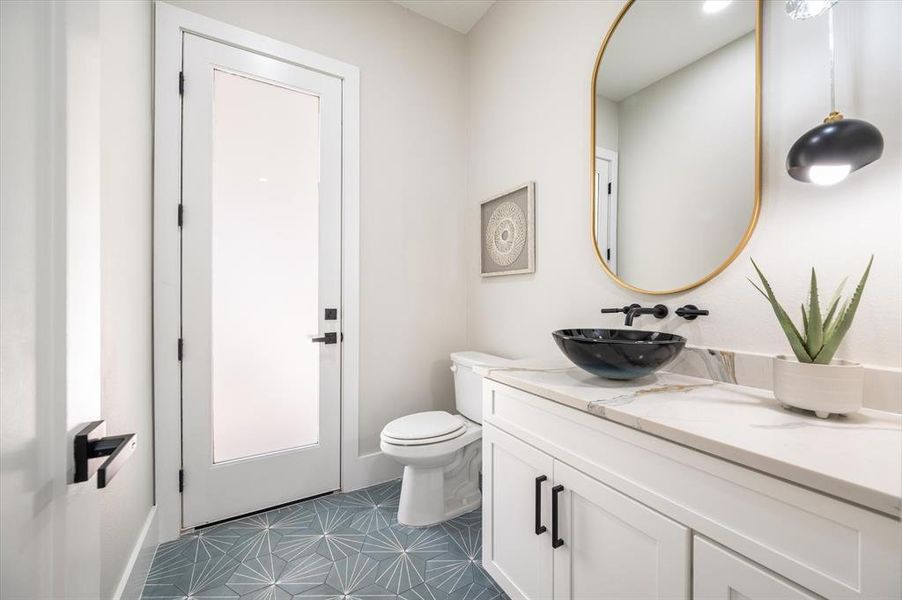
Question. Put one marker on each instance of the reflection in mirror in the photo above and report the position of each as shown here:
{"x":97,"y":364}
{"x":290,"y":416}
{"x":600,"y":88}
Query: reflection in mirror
{"x":675,"y":142}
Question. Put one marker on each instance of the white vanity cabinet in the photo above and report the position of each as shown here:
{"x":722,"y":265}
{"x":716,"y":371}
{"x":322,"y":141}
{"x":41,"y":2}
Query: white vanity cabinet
{"x":550,"y":531}
{"x":614,"y":547}
{"x":719,"y":574}
{"x":516,"y":480}
{"x":639,"y":517}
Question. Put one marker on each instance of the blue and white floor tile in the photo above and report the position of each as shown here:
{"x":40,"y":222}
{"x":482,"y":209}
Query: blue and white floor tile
{"x":342,"y":546}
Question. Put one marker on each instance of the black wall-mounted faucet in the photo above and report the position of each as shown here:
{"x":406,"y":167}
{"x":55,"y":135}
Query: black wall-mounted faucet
{"x":690,"y":312}
{"x":658,"y":310}
{"x":634,"y":310}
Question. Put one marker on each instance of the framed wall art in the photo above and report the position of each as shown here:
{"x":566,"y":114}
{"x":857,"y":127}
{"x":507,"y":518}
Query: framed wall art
{"x":507,"y":232}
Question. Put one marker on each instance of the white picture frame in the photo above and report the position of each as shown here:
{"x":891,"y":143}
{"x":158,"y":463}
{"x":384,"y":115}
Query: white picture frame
{"x":507,"y":250}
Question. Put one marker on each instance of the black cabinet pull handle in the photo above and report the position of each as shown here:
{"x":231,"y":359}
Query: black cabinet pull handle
{"x":556,"y":542}
{"x":540,"y":529}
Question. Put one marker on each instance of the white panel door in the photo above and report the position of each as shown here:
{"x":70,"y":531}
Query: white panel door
{"x":261,"y":250}
{"x":52,"y":531}
{"x":613,"y":547}
{"x":606,"y":204}
{"x":516,"y":485}
{"x":718,"y":574}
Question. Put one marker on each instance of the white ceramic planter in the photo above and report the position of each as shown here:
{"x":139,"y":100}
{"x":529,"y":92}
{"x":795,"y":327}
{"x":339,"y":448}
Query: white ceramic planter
{"x":836,"y":388}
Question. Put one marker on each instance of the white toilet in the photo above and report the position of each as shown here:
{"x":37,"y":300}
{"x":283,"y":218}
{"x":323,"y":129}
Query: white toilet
{"x":441,"y":452}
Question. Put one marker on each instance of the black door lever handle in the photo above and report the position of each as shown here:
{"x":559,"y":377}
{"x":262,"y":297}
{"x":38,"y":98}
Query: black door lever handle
{"x":327,"y":338}
{"x":92,"y":445}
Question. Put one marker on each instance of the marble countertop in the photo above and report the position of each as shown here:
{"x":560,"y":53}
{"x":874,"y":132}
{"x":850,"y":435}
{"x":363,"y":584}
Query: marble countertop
{"x":857,"y":458}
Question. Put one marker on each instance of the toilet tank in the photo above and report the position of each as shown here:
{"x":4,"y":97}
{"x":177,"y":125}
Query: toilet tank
{"x":468,"y":383}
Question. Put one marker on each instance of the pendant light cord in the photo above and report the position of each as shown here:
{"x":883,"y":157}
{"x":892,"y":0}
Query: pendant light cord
{"x":832,"y":61}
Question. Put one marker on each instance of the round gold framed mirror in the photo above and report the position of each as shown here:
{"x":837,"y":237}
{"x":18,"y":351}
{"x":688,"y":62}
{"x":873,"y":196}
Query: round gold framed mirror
{"x":675,"y":141}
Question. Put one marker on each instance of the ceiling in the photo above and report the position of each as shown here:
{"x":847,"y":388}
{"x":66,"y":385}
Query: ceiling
{"x":681,"y":34}
{"x":459,"y":15}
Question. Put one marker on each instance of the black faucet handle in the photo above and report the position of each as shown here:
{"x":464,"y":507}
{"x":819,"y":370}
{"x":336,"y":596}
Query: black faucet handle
{"x":690,"y":312}
{"x":623,"y":310}
{"x":660,"y":311}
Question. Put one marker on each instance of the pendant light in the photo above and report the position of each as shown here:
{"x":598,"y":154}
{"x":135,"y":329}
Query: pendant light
{"x":805,"y":9}
{"x":827,"y":154}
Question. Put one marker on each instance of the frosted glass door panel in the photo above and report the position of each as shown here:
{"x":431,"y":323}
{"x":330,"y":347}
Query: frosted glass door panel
{"x":261,"y":261}
{"x":264,"y":301}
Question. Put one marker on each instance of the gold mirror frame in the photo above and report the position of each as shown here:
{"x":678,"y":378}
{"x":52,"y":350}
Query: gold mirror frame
{"x":757,"y":208}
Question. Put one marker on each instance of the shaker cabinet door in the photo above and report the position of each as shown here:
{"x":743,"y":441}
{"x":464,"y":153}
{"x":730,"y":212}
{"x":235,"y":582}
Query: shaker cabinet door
{"x":614,"y":547}
{"x":718,"y":574}
{"x":516,"y":484}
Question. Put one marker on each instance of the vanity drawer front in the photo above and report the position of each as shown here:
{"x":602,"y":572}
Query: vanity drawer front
{"x":828,"y":546}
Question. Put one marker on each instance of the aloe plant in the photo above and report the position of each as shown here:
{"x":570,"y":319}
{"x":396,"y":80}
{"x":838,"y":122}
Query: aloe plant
{"x":821,"y":333}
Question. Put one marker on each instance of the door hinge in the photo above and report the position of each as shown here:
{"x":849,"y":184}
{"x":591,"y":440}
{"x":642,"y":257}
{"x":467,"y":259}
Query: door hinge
{"x":181,"y":480}
{"x":181,"y":214}
{"x":609,"y":254}
{"x":181,"y":349}
{"x":609,"y":188}
{"x":181,"y":83}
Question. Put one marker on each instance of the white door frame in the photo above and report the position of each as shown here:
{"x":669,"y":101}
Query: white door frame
{"x":171,"y":23}
{"x":611,"y":157}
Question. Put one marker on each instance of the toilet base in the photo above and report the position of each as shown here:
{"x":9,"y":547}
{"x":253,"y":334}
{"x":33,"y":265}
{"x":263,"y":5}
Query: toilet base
{"x":430,"y":495}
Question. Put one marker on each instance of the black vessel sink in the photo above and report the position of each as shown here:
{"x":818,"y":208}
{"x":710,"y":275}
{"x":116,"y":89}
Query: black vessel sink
{"x":619,"y":353}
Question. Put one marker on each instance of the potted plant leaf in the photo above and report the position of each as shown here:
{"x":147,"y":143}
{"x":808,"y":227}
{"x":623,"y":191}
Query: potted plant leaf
{"x":815,"y":380}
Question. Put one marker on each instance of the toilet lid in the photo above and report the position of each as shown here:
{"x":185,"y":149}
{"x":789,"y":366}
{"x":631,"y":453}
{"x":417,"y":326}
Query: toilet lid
{"x":424,"y":425}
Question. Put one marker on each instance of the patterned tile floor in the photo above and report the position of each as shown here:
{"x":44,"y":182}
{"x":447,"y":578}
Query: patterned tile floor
{"x":342,"y":546}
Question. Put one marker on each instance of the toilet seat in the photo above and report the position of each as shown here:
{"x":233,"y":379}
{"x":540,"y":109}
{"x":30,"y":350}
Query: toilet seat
{"x":423,"y":428}
{"x":421,"y":452}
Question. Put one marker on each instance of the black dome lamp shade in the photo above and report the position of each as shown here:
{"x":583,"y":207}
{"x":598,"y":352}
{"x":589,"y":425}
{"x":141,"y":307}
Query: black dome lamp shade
{"x":827,"y":154}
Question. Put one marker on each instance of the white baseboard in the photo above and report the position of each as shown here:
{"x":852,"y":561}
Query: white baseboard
{"x":131,"y":584}
{"x":368,"y":470}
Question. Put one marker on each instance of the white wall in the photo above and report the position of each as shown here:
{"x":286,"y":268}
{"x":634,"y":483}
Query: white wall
{"x":413,"y":174}
{"x":607,"y":123}
{"x":126,"y":147}
{"x":520,"y":131}
{"x":687,"y":164}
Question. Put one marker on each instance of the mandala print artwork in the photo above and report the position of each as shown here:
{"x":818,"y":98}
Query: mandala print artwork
{"x":505,"y":234}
